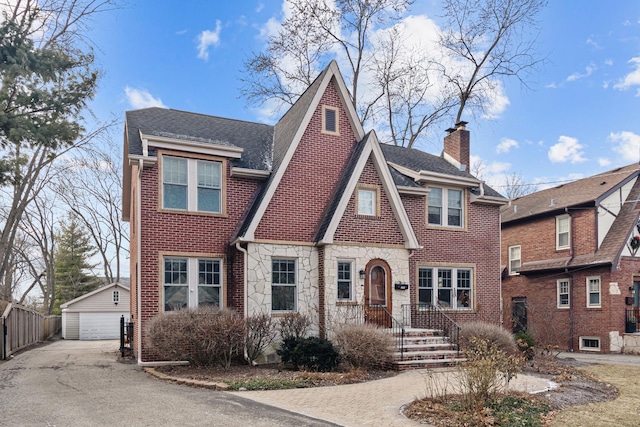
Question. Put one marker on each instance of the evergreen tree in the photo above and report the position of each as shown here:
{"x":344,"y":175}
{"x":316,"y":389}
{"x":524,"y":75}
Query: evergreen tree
{"x":72,"y":263}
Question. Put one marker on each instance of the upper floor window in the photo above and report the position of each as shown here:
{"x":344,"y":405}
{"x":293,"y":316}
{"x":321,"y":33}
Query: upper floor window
{"x":367,"y":201}
{"x":283,"y":285}
{"x":593,"y":291}
{"x":115,"y":297}
{"x":563,"y":293}
{"x":445,"y":207}
{"x":191,"y":282}
{"x":330,"y":120}
{"x":562,"y":232}
{"x":445,"y":287}
{"x":345,"y":280}
{"x":515,"y":259}
{"x":191,"y":184}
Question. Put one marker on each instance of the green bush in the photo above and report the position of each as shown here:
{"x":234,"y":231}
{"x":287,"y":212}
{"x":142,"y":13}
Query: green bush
{"x":526,"y":344}
{"x":489,"y":332}
{"x":364,"y":346}
{"x":312,"y":354}
{"x":204,"y":336}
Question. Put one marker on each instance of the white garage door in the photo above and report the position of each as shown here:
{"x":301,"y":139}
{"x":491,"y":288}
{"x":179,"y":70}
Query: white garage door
{"x":100,"y":326}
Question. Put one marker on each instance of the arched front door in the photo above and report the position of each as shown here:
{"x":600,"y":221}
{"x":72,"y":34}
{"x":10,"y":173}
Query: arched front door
{"x":377,"y":293}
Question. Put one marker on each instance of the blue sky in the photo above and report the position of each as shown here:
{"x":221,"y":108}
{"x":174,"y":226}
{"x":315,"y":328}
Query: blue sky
{"x":579,"y":117}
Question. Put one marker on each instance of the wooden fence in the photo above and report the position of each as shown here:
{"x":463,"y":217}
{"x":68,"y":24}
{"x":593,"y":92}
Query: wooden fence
{"x":22,"y":327}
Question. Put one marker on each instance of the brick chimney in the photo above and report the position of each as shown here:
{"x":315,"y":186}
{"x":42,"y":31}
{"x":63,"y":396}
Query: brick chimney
{"x":456,"y":146}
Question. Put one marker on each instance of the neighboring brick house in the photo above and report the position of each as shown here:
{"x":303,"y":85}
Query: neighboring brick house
{"x":312,"y":215}
{"x":570,"y":270}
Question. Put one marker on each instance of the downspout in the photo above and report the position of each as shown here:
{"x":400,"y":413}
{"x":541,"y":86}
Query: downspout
{"x":566,"y":270}
{"x":139,"y":254}
{"x":245,"y":284}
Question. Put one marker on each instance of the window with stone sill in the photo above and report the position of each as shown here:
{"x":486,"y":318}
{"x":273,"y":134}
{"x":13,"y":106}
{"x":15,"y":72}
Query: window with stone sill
{"x":345,"y":281}
{"x":283,"y":285}
{"x":446,"y":287}
{"x":191,"y":184}
{"x":445,"y":207}
{"x":191,"y":282}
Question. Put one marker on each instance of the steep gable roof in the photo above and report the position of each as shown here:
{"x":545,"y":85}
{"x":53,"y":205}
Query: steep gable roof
{"x":288,"y":133}
{"x":586,"y":191}
{"x":368,"y":147}
{"x":94,"y":292}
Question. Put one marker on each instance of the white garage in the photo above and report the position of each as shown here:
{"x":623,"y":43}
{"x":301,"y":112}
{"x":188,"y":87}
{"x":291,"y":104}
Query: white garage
{"x":96,"y":315}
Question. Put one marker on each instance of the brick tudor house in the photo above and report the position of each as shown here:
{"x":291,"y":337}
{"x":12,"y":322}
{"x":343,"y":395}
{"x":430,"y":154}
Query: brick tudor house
{"x":312,"y":215}
{"x":571,"y":275}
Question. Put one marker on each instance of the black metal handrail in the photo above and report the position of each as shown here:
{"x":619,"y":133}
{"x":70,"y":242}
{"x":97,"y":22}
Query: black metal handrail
{"x":631,"y":320}
{"x":428,"y":316}
{"x":380,"y":315}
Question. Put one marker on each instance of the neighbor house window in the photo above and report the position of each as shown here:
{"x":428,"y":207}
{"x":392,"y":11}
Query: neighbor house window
{"x":446,"y":287}
{"x":191,"y":282}
{"x":590,"y":343}
{"x":562,"y":232}
{"x":515,"y":260}
{"x":445,"y":207}
{"x":593,"y":292}
{"x":345,"y":280}
{"x":191,"y":184}
{"x":330,"y":120}
{"x":115,"y":297}
{"x":367,"y":200}
{"x":563,"y":293}
{"x":283,"y":285}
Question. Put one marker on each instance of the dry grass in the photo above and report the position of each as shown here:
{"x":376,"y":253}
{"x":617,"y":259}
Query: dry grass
{"x":623,"y":411}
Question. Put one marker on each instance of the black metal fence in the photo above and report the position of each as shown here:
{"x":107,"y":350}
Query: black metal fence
{"x":126,"y":338}
{"x":427,"y":316}
{"x":631,"y":320}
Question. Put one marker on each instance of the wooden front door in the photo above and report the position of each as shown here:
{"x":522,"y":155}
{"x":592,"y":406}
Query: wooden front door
{"x":377,"y":294}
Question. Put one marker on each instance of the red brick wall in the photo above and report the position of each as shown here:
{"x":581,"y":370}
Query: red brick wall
{"x":383,"y":229}
{"x":185,"y":233}
{"x":478,"y":244}
{"x":548,"y":323}
{"x":300,"y":200}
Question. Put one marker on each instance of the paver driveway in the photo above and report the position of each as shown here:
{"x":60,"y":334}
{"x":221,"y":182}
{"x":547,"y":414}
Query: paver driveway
{"x":80,"y":383}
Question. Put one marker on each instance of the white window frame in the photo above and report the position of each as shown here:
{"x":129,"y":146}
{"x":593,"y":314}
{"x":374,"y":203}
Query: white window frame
{"x":589,"y":292}
{"x":514,"y":271}
{"x":348,"y":281}
{"x":456,"y":290}
{"x":367,"y":201}
{"x":192,"y":280}
{"x":560,"y":284}
{"x":444,"y":207}
{"x":589,"y":348}
{"x":294,"y":285}
{"x":336,"y":112}
{"x":559,"y":220}
{"x":193,"y":184}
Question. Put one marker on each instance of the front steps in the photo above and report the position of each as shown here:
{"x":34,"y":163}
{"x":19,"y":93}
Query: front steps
{"x":425,"y":348}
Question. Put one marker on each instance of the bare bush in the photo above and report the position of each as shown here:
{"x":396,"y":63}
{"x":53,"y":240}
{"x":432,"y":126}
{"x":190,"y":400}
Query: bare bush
{"x":204,"y":336}
{"x":261,"y":331}
{"x":489,"y":332}
{"x":486,"y":372}
{"x":364,"y":346}
{"x":294,"y":325}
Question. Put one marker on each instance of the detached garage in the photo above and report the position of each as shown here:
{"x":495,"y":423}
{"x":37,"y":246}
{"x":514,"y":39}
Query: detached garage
{"x":96,"y":315}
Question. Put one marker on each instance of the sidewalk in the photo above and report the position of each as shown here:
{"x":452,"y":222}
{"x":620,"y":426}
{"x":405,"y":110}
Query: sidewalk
{"x":373,"y":403}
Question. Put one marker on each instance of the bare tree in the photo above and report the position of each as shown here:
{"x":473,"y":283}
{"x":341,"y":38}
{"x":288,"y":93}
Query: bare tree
{"x":92,"y":190}
{"x":487,"y":41}
{"x":312,"y":33}
{"x":515,"y":186}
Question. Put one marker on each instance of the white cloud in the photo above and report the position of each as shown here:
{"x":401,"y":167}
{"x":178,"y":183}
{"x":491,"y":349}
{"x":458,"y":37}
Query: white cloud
{"x":181,"y":32}
{"x":260,"y":7}
{"x":506,"y":144}
{"x":626,"y":144}
{"x":494,"y":173}
{"x":141,"y":98}
{"x":591,"y":42}
{"x":206,"y":39}
{"x":589,"y":69}
{"x":608,"y":62}
{"x":604,"y":162}
{"x":631,"y":79}
{"x":566,"y":150}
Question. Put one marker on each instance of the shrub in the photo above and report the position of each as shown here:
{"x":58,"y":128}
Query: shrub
{"x":294,"y":325}
{"x":260,"y":334}
{"x":364,"y":346}
{"x":485,"y":372}
{"x":489,"y":332}
{"x":526,"y":344}
{"x":202,"y":336}
{"x":312,"y":354}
